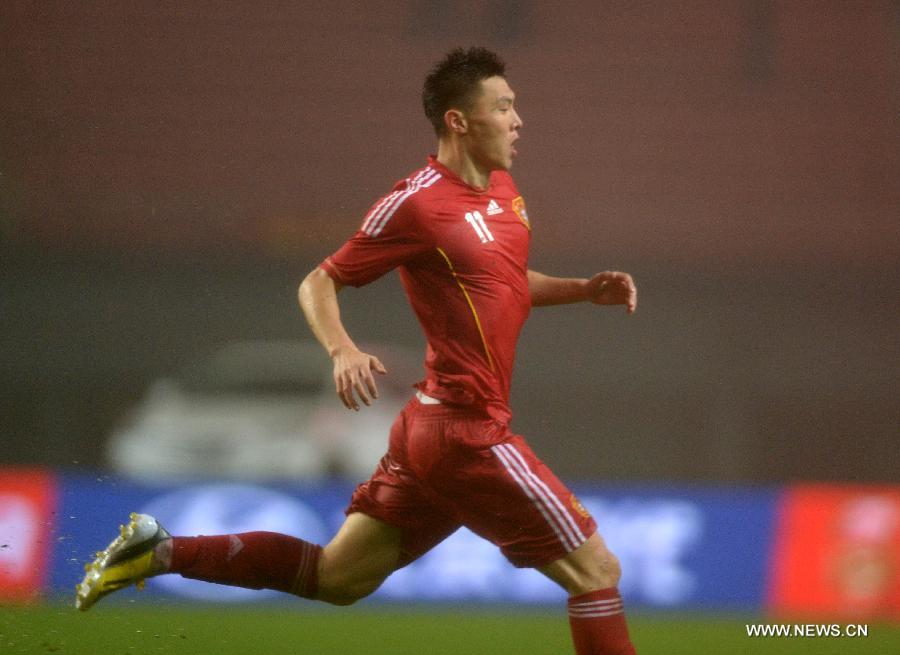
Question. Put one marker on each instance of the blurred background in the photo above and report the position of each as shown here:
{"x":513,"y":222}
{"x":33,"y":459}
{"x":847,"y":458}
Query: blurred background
{"x":169,"y":172}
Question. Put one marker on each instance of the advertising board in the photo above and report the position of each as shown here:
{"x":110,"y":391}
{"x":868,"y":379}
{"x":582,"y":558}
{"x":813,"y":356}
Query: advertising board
{"x":680,"y":547}
{"x":837,"y":553}
{"x":27,"y":501}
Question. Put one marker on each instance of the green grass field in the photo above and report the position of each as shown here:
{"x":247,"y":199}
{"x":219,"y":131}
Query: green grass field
{"x":123,"y":629}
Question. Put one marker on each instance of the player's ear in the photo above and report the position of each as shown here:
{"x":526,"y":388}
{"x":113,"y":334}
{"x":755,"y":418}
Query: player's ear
{"x":455,"y":121}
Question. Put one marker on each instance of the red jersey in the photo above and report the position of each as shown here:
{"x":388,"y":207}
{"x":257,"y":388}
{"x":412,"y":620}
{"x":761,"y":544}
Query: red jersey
{"x":463,"y":259}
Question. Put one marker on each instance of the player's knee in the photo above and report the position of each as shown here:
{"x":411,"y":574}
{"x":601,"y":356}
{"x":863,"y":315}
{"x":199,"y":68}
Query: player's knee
{"x":602,"y":571}
{"x":590,"y":567}
{"x":606,"y":571}
{"x":612,"y":569}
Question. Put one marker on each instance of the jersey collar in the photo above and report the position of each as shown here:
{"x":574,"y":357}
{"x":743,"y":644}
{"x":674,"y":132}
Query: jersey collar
{"x":446,"y":172}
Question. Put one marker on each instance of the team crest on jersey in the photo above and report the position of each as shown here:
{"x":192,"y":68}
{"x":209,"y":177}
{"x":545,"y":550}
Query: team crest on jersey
{"x":518,"y":206}
{"x":578,"y":507}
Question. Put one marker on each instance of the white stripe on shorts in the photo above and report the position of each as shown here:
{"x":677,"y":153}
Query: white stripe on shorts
{"x":542,"y":508}
{"x":573,"y":524}
{"x":539,"y":493}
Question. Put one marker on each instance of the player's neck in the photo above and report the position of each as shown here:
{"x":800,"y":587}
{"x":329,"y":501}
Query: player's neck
{"x":452,"y":155}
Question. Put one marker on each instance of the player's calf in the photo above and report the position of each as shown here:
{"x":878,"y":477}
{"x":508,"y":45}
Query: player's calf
{"x":347,"y":592}
{"x":363,"y":553}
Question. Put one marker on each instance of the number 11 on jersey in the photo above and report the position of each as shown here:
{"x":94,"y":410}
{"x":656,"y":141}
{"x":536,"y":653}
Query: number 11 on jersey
{"x":476,"y":220}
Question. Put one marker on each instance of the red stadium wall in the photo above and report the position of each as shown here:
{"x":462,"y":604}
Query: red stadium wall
{"x":713,"y":129}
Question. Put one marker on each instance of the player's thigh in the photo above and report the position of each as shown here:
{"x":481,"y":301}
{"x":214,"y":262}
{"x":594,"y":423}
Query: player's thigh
{"x":507,"y":495}
{"x":356,"y":561}
{"x":589,"y":567}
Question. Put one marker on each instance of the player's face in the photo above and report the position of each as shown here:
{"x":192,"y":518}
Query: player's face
{"x":493,"y":125}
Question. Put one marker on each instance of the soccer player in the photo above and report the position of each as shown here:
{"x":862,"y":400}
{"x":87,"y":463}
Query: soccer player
{"x":459,"y":233}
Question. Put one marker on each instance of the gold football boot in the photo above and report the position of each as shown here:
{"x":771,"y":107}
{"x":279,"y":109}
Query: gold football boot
{"x":127,"y":560}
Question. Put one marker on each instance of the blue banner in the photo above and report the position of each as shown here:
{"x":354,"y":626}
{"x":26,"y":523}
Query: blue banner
{"x":680,"y":547}
{"x":688,"y":547}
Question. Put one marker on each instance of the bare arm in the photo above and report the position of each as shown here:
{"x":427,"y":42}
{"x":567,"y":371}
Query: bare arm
{"x":607,"y":288}
{"x":352,"y":367}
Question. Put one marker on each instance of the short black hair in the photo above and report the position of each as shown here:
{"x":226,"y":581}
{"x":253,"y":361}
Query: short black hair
{"x":454,"y":81}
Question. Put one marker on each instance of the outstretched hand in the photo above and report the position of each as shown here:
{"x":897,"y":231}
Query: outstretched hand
{"x":613,"y":288}
{"x":353,"y":376}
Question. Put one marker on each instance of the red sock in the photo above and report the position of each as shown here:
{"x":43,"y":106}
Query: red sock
{"x":598,"y":624}
{"x":257,"y":560}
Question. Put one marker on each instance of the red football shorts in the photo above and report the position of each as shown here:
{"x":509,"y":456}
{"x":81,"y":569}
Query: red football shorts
{"x":448,"y":467}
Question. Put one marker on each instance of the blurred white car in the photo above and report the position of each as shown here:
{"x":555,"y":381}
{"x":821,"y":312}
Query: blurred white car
{"x":260,"y":410}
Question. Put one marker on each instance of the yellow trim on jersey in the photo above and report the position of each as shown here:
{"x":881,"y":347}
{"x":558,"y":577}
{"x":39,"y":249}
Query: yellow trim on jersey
{"x":487,"y":352}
